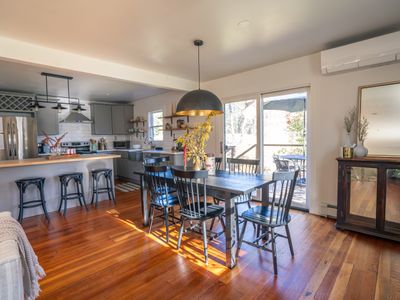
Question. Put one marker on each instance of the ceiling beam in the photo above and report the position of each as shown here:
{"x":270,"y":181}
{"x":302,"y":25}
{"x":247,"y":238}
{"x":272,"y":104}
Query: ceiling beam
{"x":18,"y":51}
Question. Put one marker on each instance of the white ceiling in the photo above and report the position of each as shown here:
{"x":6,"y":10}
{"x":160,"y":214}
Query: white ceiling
{"x":26,"y":78}
{"x":157,"y":35}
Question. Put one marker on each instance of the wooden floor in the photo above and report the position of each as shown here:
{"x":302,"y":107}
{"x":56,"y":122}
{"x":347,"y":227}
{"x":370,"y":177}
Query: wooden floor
{"x":107,"y":254}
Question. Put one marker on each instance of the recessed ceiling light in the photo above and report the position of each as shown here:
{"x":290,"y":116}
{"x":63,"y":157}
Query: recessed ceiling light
{"x":108,"y":94}
{"x":243,"y":24}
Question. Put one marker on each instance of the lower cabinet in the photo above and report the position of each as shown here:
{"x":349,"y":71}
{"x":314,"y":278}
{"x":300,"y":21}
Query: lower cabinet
{"x":129,"y":163}
{"x":369,"y":196}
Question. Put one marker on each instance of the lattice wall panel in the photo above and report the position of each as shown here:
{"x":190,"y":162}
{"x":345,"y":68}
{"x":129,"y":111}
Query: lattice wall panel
{"x":15,"y":102}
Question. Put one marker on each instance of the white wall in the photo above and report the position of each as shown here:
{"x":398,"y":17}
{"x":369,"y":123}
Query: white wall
{"x":330,"y":99}
{"x":167,"y":102}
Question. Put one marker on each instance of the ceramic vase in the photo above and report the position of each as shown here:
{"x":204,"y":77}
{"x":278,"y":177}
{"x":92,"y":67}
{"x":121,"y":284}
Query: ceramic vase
{"x":360,"y":150}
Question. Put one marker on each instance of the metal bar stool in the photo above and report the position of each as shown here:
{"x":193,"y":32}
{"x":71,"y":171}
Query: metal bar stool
{"x":65,"y":179}
{"x":96,"y":175}
{"x":22,"y":186}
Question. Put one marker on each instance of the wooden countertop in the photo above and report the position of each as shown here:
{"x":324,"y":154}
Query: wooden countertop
{"x":45,"y":161}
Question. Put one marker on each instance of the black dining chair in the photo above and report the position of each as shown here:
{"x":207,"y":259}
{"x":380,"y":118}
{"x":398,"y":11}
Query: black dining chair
{"x":273,"y":216}
{"x":244,"y":167}
{"x":192,"y":194}
{"x":163,"y":198}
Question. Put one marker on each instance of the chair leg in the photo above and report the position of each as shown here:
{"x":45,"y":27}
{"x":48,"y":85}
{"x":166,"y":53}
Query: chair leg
{"x":62,"y":197}
{"x":205,"y":242}
{"x":43,"y":202}
{"x":82,"y":194}
{"x":97,"y":192}
{"x":212,"y":224}
{"x":112,"y":189}
{"x":237,"y":221}
{"x":93,"y":191}
{"x":21,"y":205}
{"x":180,"y":234}
{"x":78,"y":192}
{"x":274,"y":252}
{"x":240,"y":240}
{"x":289,"y":239}
{"x":65,"y":201}
{"x":166,"y":215}
{"x":151,"y":217}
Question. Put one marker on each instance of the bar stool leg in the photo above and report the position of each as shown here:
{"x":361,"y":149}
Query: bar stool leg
{"x":65,"y":198}
{"x":41,"y":188}
{"x":21,"y":204}
{"x":77,"y":192}
{"x":82,"y":194}
{"x":97,"y":191}
{"x":93,"y":191}
{"x":61,"y":196}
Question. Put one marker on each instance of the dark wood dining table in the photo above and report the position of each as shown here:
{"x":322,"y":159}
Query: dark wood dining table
{"x":226,"y":186}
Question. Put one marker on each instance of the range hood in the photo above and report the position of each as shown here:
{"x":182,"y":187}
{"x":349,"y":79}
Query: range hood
{"x":75,"y":117}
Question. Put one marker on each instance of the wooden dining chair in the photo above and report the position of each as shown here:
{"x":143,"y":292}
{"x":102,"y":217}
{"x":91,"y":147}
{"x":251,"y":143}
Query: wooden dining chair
{"x":163,"y":198}
{"x":243,"y":167}
{"x":273,"y":216}
{"x":192,"y":195}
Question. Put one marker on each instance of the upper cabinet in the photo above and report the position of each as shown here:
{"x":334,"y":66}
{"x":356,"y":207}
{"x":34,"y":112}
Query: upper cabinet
{"x":102,"y":119}
{"x":111,"y":119}
{"x":47,"y":120}
{"x":121,"y":115}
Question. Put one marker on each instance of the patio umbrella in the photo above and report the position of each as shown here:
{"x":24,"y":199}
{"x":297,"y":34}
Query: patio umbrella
{"x":290,"y":105}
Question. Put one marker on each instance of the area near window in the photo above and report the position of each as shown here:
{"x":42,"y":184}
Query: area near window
{"x":156,"y":125}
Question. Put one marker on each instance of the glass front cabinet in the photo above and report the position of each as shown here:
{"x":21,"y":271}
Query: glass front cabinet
{"x":369,"y":196}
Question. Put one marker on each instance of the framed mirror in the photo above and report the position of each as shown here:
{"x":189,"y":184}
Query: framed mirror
{"x":380,"y":104}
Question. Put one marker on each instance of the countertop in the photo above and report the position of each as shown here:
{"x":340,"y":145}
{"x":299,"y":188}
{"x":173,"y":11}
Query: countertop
{"x":169,"y":152}
{"x":163,"y":152}
{"x":45,"y":161}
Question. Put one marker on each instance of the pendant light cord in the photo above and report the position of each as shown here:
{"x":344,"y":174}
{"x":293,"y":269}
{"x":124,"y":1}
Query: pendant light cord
{"x":198,"y":64}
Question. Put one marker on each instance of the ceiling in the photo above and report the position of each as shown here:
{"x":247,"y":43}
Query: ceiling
{"x":26,"y":78}
{"x":157,"y":35}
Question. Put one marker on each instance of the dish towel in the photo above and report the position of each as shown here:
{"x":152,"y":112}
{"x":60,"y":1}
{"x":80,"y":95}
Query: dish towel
{"x":10,"y":229}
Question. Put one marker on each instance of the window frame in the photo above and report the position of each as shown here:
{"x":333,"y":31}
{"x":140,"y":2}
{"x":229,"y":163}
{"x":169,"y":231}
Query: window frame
{"x":152,"y":126}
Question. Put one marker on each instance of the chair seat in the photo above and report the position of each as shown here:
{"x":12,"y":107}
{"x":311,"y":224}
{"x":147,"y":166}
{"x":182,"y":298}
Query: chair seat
{"x":212,"y":212}
{"x":164,"y":201}
{"x":261,"y":215}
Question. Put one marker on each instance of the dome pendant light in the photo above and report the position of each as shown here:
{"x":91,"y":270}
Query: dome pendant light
{"x":199,"y":102}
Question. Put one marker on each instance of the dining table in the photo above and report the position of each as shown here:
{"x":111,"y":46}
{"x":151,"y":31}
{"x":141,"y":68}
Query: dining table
{"x":226,"y":186}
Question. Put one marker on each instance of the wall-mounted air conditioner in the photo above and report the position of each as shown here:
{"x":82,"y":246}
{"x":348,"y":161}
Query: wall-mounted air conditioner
{"x":376,"y":51}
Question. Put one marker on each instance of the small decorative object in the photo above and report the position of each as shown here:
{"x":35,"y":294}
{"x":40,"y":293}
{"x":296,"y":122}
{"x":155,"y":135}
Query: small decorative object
{"x":195,"y":141}
{"x":168,"y":126}
{"x":180,"y":123}
{"x":347,"y":152}
{"x":362,"y":132}
{"x":348,"y":124}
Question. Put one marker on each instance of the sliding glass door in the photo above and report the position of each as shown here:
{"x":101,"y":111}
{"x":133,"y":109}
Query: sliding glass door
{"x":285,"y":138}
{"x":240,"y":129}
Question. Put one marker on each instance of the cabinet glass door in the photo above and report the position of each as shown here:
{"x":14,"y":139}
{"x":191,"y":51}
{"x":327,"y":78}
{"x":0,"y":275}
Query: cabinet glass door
{"x":363,"y":195}
{"x":392,"y":209}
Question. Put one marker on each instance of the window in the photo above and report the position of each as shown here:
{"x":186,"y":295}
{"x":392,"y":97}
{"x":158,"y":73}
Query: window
{"x":156,"y":125}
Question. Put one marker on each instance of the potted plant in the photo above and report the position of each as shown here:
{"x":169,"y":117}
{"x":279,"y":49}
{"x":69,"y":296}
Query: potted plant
{"x":348,"y":125}
{"x":195,"y":141}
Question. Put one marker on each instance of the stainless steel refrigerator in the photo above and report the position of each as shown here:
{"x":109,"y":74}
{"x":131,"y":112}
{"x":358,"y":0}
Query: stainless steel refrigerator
{"x":18,"y":136}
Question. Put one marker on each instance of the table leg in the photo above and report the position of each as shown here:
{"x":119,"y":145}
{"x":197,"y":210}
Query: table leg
{"x":145,"y":206}
{"x":230,"y":232}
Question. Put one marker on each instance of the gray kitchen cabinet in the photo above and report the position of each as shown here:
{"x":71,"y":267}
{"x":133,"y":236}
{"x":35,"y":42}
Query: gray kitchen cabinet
{"x":47,"y":120}
{"x":102,"y":119}
{"x":121,"y":115}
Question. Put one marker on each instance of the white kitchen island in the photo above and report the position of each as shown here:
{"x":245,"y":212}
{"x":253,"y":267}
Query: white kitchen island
{"x":12,"y":170}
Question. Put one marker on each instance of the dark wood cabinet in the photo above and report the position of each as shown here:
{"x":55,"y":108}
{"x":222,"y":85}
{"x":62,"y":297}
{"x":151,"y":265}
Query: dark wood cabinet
{"x":369,"y":196}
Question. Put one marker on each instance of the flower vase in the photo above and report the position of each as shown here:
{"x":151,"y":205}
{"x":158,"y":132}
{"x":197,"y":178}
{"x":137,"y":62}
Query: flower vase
{"x":197,"y":165}
{"x":360,"y":150}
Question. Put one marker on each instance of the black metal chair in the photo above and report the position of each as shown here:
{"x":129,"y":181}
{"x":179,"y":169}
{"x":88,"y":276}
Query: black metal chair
{"x":163,"y":197}
{"x":192,"y":195}
{"x":275,"y":215}
{"x":78,"y":194}
{"x":218,"y":163}
{"x":240,"y":166}
{"x":96,"y":190}
{"x":22,"y":186}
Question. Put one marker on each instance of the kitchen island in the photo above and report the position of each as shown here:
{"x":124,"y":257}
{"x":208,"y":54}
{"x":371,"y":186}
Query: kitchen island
{"x":12,"y":170}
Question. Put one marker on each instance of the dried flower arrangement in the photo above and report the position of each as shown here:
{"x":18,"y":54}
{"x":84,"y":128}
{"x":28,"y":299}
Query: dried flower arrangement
{"x":350,"y":119}
{"x":362,"y":130}
{"x":195,"y":141}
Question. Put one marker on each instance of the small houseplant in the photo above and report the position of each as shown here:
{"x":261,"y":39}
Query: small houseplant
{"x":195,"y":141}
{"x":349,"y":121}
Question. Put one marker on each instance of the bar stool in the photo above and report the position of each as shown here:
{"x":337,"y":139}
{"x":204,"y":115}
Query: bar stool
{"x":65,"y":179}
{"x":22,"y":186}
{"x":96,"y":175}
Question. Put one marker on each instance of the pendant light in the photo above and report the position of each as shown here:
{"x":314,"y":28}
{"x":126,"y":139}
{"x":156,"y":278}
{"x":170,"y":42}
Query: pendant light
{"x":59,"y":106}
{"x":79,"y":107}
{"x":199,"y":102}
{"x":36,"y":105}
